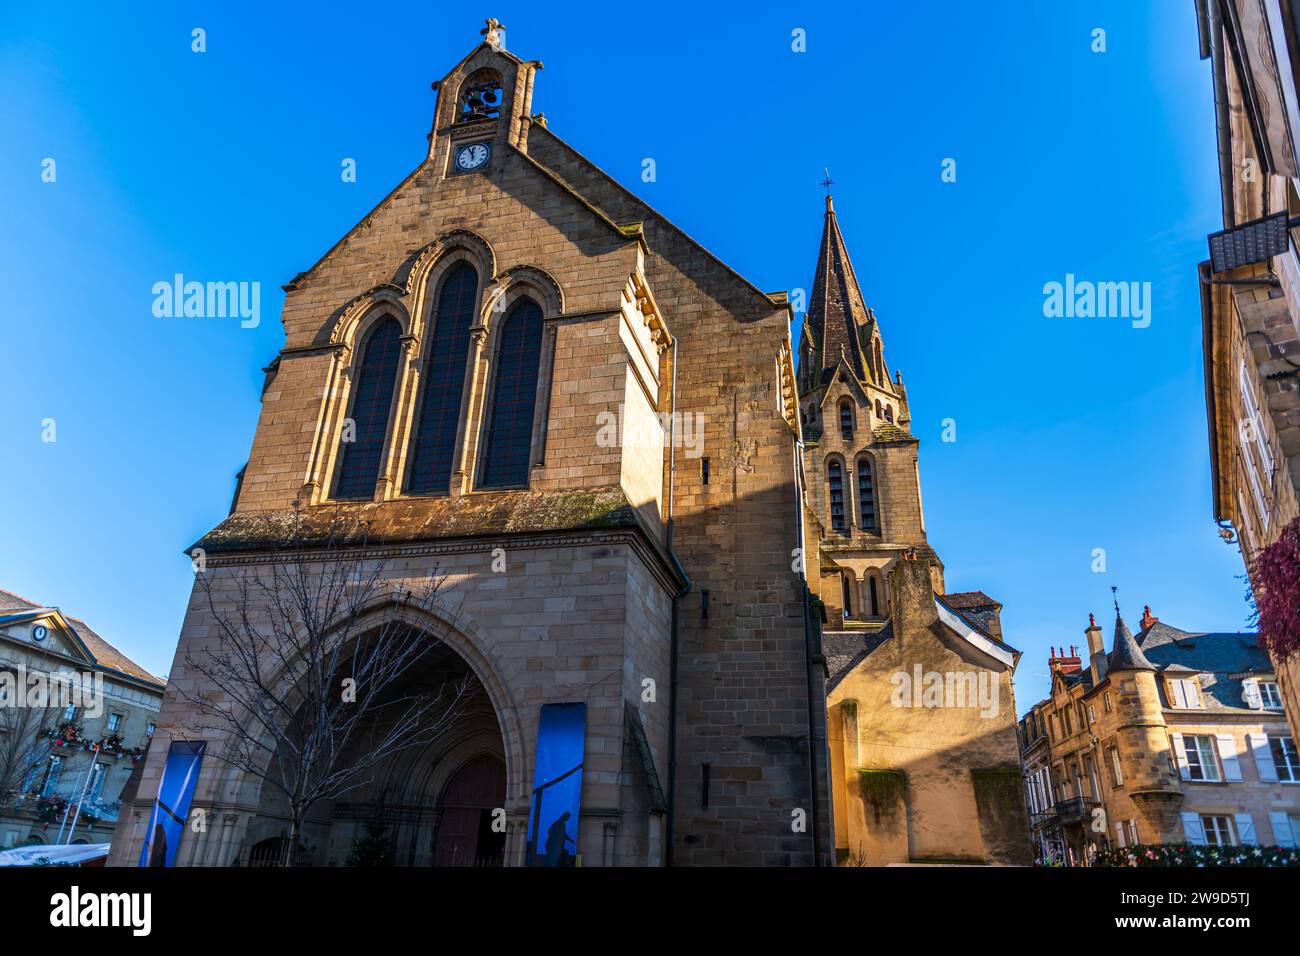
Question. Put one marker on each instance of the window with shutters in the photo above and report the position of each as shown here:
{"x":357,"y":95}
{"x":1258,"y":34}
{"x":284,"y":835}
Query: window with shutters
{"x":514,"y":397}
{"x":835,"y":492}
{"x":366,"y":428}
{"x":442,"y":381}
{"x":1184,"y":694}
{"x":1116,"y":770}
{"x":1105,"y":702}
{"x":1284,"y":759}
{"x":1202,"y":764}
{"x":1253,"y":427}
{"x":1219,"y":831}
{"x":1133,"y":833}
{"x":1269,"y":695}
{"x":866,"y":495}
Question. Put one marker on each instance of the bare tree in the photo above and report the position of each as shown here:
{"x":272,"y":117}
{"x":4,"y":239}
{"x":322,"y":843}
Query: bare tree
{"x":301,"y":691}
{"x":24,"y":745}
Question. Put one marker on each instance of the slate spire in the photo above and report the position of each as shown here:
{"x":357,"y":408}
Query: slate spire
{"x":836,"y":310}
{"x":1125,"y":654}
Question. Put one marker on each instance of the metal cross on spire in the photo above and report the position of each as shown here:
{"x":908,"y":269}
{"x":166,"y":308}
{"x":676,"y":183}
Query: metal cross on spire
{"x":1115,"y":592}
{"x":827,"y":182}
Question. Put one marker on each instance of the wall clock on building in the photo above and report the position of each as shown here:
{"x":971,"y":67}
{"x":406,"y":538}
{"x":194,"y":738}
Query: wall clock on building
{"x":40,"y":632}
{"x":472,"y":156}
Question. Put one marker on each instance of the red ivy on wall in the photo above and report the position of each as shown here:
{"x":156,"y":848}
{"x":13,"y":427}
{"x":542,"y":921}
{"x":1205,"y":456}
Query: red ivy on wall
{"x":1275,"y":574}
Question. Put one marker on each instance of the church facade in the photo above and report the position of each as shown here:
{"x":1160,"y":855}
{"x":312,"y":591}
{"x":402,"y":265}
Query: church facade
{"x":525,"y":381}
{"x":477,"y":333}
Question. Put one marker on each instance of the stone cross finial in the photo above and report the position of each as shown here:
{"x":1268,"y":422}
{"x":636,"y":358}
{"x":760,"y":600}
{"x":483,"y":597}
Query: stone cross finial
{"x":492,"y":32}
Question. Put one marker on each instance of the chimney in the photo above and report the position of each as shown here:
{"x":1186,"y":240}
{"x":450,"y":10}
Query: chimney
{"x":1065,"y":664}
{"x":1096,"y":650}
{"x":1147,"y":618}
{"x":911,"y":596}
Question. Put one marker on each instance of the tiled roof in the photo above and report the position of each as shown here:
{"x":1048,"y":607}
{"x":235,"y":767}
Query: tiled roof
{"x":844,"y":650}
{"x":104,"y":653}
{"x":888,"y":433}
{"x":1226,"y":655}
{"x":961,"y":600}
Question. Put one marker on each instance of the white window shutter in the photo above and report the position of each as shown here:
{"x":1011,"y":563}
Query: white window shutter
{"x":1246,"y":830}
{"x":1180,"y":754}
{"x":1179,"y":694}
{"x":1283,"y":835}
{"x":1119,"y":834}
{"x":1263,"y":758}
{"x":1228,"y":757}
{"x":1193,"y":829}
{"x":1251,"y":695}
{"x":1193,"y":693}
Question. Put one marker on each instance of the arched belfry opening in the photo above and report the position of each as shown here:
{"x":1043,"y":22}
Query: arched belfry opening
{"x":481,"y":96}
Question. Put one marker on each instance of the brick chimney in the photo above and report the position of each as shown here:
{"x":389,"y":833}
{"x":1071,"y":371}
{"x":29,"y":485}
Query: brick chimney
{"x":1066,"y":664}
{"x":1147,"y":618}
{"x":1096,"y":650}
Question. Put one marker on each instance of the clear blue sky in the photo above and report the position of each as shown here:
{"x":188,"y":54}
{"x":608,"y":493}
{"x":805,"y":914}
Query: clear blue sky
{"x":1072,"y":434}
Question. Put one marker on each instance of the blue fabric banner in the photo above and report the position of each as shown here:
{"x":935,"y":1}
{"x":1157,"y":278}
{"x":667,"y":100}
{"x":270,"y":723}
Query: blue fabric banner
{"x":175,"y":791}
{"x":557,"y":785}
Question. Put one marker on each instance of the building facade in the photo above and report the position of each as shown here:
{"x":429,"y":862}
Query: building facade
{"x":68,"y":747}
{"x":525,"y":380}
{"x":1250,"y":287}
{"x":1169,"y":737}
{"x":920,"y":705}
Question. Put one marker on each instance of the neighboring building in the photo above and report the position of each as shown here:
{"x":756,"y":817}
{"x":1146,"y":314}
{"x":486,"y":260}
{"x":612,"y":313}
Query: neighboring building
{"x":1171,"y":737}
{"x":921,"y":712}
{"x":1250,"y":289}
{"x":45,"y":770}
{"x":476,"y":333}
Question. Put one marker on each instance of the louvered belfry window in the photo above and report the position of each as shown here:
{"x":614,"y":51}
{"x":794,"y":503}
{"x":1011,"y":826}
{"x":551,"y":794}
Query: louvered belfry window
{"x":835,"y":486}
{"x":359,"y":464}
{"x":433,"y":445}
{"x":846,"y":421}
{"x":514,"y":397}
{"x":866,"y":496}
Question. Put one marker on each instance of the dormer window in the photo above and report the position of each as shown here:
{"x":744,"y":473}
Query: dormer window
{"x":1184,"y":694}
{"x":1269,"y":696}
{"x":481,"y":97}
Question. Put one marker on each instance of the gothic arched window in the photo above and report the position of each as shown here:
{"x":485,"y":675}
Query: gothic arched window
{"x":866,"y":496}
{"x":364,"y":433}
{"x":880,"y":409}
{"x":889,"y":414}
{"x":433,"y":446}
{"x":514,"y":397}
{"x":835,"y":491}
{"x":846,"y":420}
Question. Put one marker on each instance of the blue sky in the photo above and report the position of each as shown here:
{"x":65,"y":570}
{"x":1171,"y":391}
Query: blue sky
{"x":1072,"y":434}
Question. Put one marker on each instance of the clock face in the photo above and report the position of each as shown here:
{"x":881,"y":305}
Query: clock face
{"x":472,"y":156}
{"x":39,"y":632}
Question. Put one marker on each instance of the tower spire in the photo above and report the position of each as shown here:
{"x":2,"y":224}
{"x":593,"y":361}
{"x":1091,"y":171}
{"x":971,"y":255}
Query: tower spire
{"x":836,"y":309}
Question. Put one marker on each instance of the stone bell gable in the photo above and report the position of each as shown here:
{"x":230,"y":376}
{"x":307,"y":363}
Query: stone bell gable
{"x":512,"y":353}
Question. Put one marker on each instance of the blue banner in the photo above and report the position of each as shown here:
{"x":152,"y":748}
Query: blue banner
{"x":175,"y":791}
{"x":557,"y":785}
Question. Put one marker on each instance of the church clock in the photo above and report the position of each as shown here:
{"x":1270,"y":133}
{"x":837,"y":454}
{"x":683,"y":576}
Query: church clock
{"x":472,"y":156}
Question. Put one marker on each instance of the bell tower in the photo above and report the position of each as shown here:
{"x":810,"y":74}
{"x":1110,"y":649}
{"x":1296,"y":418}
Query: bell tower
{"x":860,"y":457}
{"x":483,"y":106}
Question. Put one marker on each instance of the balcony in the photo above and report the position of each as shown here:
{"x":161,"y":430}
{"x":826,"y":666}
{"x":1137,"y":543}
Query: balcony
{"x":1075,"y":809}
